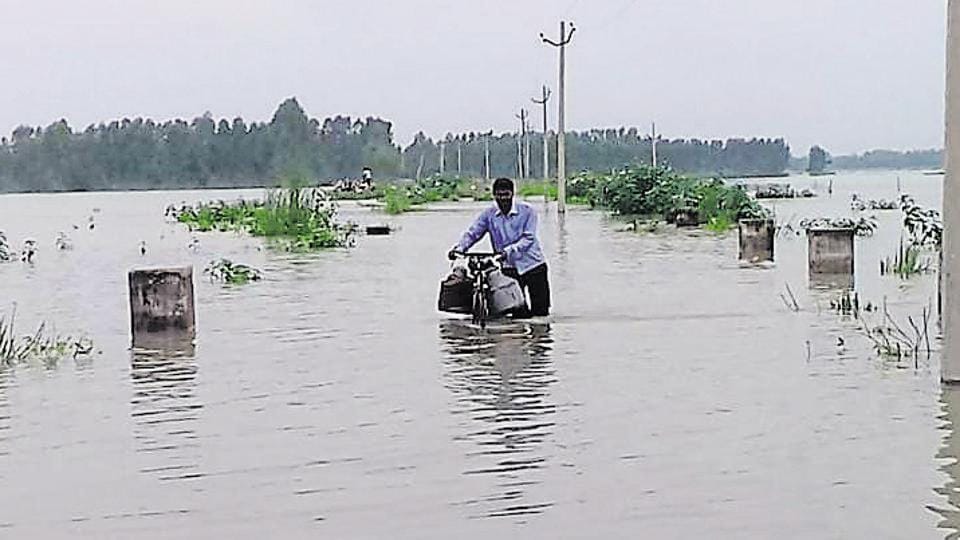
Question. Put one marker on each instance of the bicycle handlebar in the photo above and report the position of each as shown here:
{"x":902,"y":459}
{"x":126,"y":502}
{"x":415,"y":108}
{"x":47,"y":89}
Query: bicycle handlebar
{"x":476,"y":255}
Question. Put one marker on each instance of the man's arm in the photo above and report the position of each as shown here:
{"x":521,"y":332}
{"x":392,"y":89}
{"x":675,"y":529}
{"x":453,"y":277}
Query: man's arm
{"x":474,"y":233}
{"x":528,"y":235}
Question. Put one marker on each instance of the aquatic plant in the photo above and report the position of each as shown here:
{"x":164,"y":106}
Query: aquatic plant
{"x":890,"y":340}
{"x":859,"y":204}
{"x":862,"y":226}
{"x":5,"y":254}
{"x":400,"y":198}
{"x":792,"y":303}
{"x":659,"y":191}
{"x":396,"y":200}
{"x":40,"y":345}
{"x":293,"y":218}
{"x":227,"y":271}
{"x":908,"y":262}
{"x":848,"y":303}
{"x":924,"y":225}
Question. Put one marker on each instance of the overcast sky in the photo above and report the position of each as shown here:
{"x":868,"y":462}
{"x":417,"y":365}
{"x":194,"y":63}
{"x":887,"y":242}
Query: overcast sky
{"x":848,"y":74}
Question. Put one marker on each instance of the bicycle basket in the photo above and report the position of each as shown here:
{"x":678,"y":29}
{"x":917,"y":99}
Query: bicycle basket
{"x":456,"y":293}
{"x":505,"y":293}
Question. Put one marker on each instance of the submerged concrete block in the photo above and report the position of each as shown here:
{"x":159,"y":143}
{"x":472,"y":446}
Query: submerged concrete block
{"x":161,"y":305}
{"x":756,"y":240}
{"x":378,"y":230}
{"x":830,"y":252}
{"x":688,"y":217}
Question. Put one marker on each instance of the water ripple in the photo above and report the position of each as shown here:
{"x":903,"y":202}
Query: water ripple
{"x":165,"y":411}
{"x":500,"y":379}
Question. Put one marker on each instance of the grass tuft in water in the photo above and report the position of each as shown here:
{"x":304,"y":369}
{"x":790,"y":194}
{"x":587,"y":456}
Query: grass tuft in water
{"x":227,"y":271}
{"x":40,"y":345}
{"x":908,"y":262}
{"x":397,"y":200}
{"x":292,"y":218}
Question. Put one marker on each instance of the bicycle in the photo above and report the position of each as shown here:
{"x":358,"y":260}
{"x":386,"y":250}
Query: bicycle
{"x":479,"y":266}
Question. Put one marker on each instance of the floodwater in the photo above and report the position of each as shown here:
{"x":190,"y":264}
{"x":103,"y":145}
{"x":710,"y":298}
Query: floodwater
{"x":672,"y":394}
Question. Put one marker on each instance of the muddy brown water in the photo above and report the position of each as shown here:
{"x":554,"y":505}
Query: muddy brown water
{"x":671,"y":394}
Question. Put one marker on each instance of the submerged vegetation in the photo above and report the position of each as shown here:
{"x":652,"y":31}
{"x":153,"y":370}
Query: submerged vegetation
{"x":909,"y":261}
{"x":862,"y":226}
{"x":400,"y":198}
{"x":924,"y":225}
{"x":39,"y":345}
{"x":227,"y":271}
{"x":915,"y":255}
{"x":662,"y":193}
{"x":859,"y":204}
{"x":897,"y":341}
{"x":5,"y":254}
{"x":292,"y":218}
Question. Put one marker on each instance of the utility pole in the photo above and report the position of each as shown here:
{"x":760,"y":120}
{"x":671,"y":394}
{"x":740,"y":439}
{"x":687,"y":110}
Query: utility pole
{"x":546,"y":147}
{"x":950,"y":266}
{"x":459,"y":160}
{"x":486,"y":156}
{"x":443,"y":148}
{"x":526,"y":149}
{"x":523,"y":161}
{"x":653,"y":143}
{"x":561,"y":114}
{"x":520,"y":157}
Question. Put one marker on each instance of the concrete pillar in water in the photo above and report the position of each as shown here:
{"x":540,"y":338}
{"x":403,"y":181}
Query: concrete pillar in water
{"x":756,"y":240}
{"x":161,"y":306}
{"x":687,"y":217}
{"x":950,"y":359}
{"x":830,"y":254}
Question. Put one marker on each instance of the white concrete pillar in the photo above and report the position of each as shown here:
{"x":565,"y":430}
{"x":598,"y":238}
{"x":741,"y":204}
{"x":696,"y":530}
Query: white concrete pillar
{"x":950,"y":363}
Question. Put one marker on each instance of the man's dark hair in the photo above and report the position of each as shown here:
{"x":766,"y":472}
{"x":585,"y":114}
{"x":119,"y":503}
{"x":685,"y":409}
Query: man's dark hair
{"x":503,"y":184}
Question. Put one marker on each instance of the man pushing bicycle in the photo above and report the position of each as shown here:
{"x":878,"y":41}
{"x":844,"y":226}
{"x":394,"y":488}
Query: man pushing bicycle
{"x":512,"y":226}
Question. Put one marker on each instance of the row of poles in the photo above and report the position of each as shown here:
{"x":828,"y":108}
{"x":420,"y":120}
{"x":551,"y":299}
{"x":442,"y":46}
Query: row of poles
{"x":523,"y":142}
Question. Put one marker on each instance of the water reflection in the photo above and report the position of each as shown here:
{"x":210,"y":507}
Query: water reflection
{"x":949,"y":456}
{"x":501,"y":378}
{"x":165,"y":410}
{"x":4,"y":416}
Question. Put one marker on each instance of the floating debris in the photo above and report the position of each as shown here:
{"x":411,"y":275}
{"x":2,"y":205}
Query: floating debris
{"x":776,"y":191}
{"x":63,"y":242}
{"x":859,"y":205}
{"x":29,"y":251}
{"x":378,"y":230}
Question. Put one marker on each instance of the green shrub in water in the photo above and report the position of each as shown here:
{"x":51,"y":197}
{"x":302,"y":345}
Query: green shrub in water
{"x":396,"y":199}
{"x":660,"y":192}
{"x":293,"y":218}
{"x":227,"y":271}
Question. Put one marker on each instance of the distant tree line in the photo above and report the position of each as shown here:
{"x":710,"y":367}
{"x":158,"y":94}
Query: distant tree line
{"x":594,"y":150}
{"x":144,"y":154}
{"x":874,"y":159}
{"x":891,"y":159}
